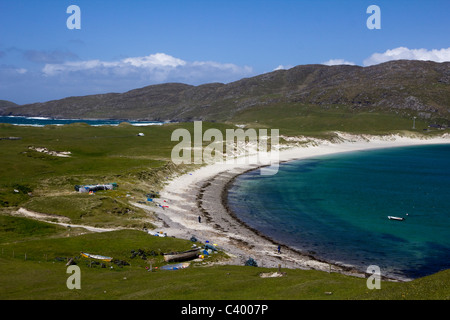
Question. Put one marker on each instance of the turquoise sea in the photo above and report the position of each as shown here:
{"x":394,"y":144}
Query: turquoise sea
{"x":42,"y":121}
{"x":336,"y":208}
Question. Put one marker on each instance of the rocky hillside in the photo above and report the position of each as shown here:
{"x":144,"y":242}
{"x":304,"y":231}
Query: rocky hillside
{"x":6,"y":104}
{"x":418,"y":87}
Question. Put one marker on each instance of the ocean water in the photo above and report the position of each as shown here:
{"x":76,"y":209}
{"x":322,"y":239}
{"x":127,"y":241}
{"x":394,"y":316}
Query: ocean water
{"x":336,"y":208}
{"x":42,"y":121}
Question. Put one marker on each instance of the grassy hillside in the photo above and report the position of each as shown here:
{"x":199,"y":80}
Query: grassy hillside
{"x":98,"y":155}
{"x":42,"y":275}
{"x":300,"y":119}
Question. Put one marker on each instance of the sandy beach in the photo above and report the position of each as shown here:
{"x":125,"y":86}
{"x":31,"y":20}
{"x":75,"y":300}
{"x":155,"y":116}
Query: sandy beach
{"x":201,"y":193}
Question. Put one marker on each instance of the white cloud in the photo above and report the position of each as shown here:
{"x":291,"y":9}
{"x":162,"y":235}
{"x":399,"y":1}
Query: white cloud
{"x":154,"y":60}
{"x":8,"y":70}
{"x":154,"y":68}
{"x":334,"y":62}
{"x":282,"y":67}
{"x":58,"y":68}
{"x":437,"y":55}
{"x":75,"y":77}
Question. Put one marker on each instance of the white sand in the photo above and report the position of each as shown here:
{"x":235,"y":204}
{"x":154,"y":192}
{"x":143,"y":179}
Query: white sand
{"x":199,"y":193}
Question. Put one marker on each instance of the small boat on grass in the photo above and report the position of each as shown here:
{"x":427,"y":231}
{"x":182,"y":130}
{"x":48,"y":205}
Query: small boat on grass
{"x":176,"y":266}
{"x":395,"y":218}
{"x":96,"y":256}
{"x":181,"y":256}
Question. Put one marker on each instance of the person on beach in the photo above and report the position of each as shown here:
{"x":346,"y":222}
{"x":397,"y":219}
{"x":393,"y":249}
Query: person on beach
{"x":199,"y":219}
{"x":279,"y":249}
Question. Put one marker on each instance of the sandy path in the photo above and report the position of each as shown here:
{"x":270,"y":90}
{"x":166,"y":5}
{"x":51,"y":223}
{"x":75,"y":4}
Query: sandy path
{"x":55,"y":219}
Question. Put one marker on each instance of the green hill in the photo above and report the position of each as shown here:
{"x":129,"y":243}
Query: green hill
{"x":404,"y":88}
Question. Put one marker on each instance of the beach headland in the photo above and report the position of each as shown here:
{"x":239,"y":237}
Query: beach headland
{"x":196,"y":204}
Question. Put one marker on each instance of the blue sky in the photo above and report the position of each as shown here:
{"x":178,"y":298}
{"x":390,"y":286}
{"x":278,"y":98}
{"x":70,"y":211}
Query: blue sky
{"x":123,"y":45}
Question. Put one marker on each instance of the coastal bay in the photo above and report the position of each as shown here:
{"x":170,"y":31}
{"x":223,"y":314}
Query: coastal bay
{"x":202,"y":193}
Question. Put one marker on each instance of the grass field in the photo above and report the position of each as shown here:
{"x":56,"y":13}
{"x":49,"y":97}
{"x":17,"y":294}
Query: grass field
{"x":43,"y":276}
{"x":34,"y":254}
{"x":295,"y":119}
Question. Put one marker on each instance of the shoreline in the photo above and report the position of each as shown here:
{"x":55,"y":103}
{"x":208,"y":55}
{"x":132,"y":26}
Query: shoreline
{"x":203,"y":193}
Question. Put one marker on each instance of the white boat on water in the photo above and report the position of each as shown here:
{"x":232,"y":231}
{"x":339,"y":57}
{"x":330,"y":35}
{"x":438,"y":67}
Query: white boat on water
{"x":395,"y":218}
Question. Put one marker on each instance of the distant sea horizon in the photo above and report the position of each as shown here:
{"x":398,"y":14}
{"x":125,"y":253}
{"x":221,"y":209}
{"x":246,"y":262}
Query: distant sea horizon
{"x":336,"y":208}
{"x":43,"y":121}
